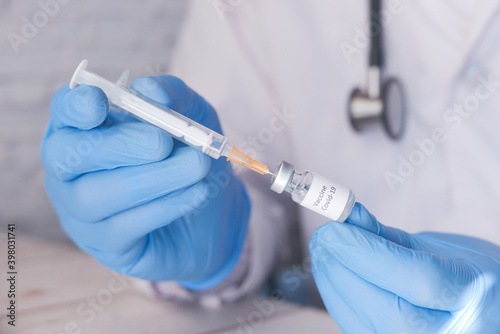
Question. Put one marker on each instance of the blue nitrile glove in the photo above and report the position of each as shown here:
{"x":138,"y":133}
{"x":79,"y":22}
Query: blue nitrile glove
{"x":377,"y":279}
{"x":141,"y":203}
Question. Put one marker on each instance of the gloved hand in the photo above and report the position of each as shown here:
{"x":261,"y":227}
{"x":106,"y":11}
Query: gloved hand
{"x":377,"y":279}
{"x":138,"y":201}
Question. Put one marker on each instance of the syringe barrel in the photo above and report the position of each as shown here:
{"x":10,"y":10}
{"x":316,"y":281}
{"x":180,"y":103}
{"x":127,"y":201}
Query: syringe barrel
{"x":177,"y":125}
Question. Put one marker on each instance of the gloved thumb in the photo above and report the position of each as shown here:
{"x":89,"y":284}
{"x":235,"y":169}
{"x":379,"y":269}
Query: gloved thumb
{"x":84,"y":107}
{"x":173,"y":93}
{"x":362,"y":218}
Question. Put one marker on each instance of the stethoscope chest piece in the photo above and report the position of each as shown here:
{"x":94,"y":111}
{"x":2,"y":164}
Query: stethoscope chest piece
{"x":387,"y":107}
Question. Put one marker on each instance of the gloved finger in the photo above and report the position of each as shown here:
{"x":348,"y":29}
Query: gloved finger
{"x":95,"y":196}
{"x":70,"y":152}
{"x":84,"y":107}
{"x":173,"y":93}
{"x":345,"y":317}
{"x":378,"y":309}
{"x":118,"y":234}
{"x":361,"y":217}
{"x":422,"y":278}
{"x":177,"y":237}
{"x":116,"y":116}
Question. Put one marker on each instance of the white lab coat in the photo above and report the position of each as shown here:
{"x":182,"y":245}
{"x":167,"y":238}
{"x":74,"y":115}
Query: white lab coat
{"x":269,"y":55}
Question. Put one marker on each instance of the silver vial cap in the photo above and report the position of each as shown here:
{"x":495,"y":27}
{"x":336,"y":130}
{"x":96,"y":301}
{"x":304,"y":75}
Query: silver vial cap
{"x":281,"y":177}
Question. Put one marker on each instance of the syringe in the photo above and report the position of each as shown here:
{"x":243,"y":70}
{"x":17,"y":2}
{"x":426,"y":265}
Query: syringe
{"x":180,"y":127}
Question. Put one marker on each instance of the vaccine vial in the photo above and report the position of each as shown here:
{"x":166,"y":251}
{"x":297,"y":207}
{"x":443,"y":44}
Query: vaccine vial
{"x":314,"y":192}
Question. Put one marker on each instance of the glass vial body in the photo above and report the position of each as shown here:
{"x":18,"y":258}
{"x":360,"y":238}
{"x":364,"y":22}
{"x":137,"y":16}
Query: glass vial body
{"x":314,"y":192}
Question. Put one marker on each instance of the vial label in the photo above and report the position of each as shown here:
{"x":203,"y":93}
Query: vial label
{"x":326,"y":197}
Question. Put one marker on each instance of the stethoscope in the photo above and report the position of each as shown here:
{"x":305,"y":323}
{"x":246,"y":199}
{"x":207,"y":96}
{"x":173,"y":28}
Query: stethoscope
{"x":384,"y":100}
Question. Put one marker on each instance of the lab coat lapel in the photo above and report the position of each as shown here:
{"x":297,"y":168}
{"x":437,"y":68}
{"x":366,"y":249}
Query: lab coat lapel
{"x":492,"y":9}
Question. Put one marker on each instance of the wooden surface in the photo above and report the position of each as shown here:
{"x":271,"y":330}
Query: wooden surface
{"x":61,"y":290}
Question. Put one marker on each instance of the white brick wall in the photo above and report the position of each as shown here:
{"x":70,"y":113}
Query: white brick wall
{"x":113,"y":35}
